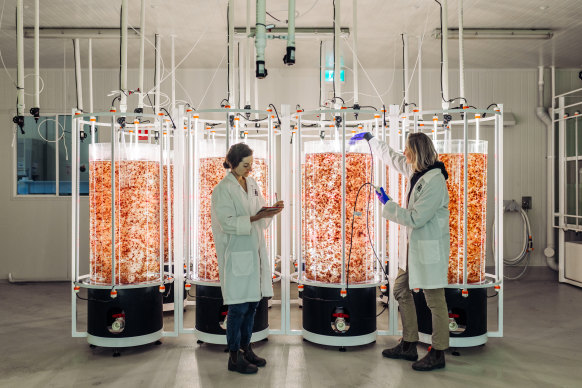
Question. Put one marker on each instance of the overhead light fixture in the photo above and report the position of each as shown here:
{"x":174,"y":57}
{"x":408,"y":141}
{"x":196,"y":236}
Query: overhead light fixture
{"x":300,"y":32}
{"x":497,"y":33}
{"x":81,"y":33}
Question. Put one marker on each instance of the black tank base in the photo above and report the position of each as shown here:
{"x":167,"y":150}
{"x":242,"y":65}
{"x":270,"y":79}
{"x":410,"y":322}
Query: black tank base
{"x":211,"y":313}
{"x":133,"y":318}
{"x":467,"y":317}
{"x":332,"y":320}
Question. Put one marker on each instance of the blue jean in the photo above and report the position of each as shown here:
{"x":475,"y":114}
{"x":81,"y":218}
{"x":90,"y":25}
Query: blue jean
{"x":239,"y":324}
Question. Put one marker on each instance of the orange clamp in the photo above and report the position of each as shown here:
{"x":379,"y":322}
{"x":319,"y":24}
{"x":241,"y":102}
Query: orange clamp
{"x":162,"y":288}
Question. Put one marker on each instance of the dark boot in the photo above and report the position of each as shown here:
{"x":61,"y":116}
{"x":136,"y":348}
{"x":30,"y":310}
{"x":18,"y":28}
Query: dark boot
{"x":404,"y":350}
{"x":238,"y":363}
{"x":434,"y":359}
{"x":251,"y":357}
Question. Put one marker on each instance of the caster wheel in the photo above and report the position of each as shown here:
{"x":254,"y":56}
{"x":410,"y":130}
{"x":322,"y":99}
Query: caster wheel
{"x":116,"y":353}
{"x":455,"y":353}
{"x":158,"y":342}
{"x":342,"y":349}
{"x":265,"y":340}
{"x":92,"y":346}
{"x":225,"y":350}
{"x":199,"y":342}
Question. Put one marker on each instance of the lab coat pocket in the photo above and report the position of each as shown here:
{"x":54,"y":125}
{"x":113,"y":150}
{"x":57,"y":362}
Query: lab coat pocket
{"x":242,"y":263}
{"x":429,"y":251}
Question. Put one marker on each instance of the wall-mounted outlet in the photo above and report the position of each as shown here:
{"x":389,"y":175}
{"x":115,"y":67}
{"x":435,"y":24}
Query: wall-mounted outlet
{"x":526,"y":203}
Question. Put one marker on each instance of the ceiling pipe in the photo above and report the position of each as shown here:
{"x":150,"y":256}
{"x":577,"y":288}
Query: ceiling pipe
{"x":231,"y":88}
{"x":461,"y":57}
{"x":543,"y":116}
{"x":405,"y":70}
{"x":19,"y":118}
{"x":123,"y":59}
{"x":260,"y":39}
{"x":140,"y":86}
{"x":158,"y":75}
{"x":355,"y":53}
{"x":289,"y":58}
{"x":78,"y":77}
{"x":445,"y":45}
{"x":35,"y":110}
{"x":336,"y":53}
{"x":249,"y":46}
{"x":241,"y":72}
{"x":90,"y":68}
{"x":173,"y":78}
{"x":420,"y":75}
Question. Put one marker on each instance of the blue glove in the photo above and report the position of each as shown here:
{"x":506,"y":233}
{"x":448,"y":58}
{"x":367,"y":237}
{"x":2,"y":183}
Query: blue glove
{"x":382,"y":196}
{"x":360,"y":136}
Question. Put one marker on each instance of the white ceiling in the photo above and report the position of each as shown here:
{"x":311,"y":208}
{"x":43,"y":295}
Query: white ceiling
{"x":380,"y":23}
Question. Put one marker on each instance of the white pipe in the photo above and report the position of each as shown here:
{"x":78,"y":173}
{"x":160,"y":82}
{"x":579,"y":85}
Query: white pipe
{"x":355,"y":52}
{"x":444,"y":37}
{"x":36,"y":54}
{"x":20,"y":58}
{"x":231,"y":90}
{"x":173,"y":79}
{"x":322,"y":75}
{"x":248,"y":57}
{"x":241,"y":72}
{"x":90,"y":68}
{"x":336,"y":52}
{"x":542,"y":114}
{"x":123,"y":59}
{"x":461,"y":55}
{"x":78,"y":77}
{"x":290,"y":54}
{"x":420,"y":74}
{"x":260,"y":38}
{"x":406,"y":72}
{"x":141,"y":54}
{"x":158,"y":75}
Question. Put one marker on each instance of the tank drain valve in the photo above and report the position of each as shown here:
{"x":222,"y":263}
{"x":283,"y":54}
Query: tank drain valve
{"x":465,"y":293}
{"x":113,"y":294}
{"x":343,"y":293}
{"x":162,"y":288}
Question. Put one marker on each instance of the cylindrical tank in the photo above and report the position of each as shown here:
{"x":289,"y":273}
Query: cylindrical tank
{"x":451,"y":153}
{"x":134,"y":316}
{"x":137,"y":211}
{"x":209,"y":170}
{"x":339,"y":269}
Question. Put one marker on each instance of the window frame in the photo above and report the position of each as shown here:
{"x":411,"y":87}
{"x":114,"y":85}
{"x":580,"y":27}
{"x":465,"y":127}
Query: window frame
{"x":56,"y":195}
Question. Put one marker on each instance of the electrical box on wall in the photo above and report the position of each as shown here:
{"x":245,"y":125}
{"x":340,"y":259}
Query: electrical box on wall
{"x":526,"y":203}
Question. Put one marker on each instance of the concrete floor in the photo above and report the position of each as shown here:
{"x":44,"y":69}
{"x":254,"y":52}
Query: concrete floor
{"x":541,"y":348}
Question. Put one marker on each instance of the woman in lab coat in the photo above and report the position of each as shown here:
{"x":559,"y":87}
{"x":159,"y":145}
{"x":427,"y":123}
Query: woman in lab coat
{"x":424,"y":264}
{"x":238,"y":228}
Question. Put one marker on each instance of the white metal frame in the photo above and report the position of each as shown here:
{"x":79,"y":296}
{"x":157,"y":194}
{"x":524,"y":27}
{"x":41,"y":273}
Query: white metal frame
{"x":562,"y":114}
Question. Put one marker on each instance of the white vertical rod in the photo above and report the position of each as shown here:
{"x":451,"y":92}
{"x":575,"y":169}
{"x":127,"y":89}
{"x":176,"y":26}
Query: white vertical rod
{"x":173,"y":55}
{"x":231,"y":90}
{"x":461,"y":56}
{"x":158,"y":75}
{"x":465,"y":193}
{"x":355,"y":51}
{"x":345,"y":276}
{"x":36,"y":54}
{"x":256,"y":94}
{"x":420,"y":75}
{"x":445,"y":37}
{"x":249,"y":47}
{"x":406,"y":73}
{"x":290,"y":52}
{"x":78,"y":77}
{"x":241,"y":72}
{"x":123,"y":59}
{"x":336,"y":51}
{"x":286,"y":218}
{"x":20,"y":58}
{"x":141,"y":54}
{"x":90,"y":68}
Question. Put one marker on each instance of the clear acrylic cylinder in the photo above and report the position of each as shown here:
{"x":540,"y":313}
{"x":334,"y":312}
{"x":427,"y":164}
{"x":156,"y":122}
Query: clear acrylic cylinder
{"x":137,"y":213}
{"x":321,"y":227}
{"x":452,"y":154}
{"x":211,"y":153}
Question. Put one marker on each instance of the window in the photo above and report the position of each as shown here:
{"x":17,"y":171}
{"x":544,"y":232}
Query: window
{"x":43,"y":157}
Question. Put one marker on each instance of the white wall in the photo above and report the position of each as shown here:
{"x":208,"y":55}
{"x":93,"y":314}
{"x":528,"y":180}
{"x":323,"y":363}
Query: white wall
{"x":35,"y":232}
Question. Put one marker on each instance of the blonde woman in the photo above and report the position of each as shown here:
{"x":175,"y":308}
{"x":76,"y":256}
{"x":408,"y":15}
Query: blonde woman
{"x":424,"y":264}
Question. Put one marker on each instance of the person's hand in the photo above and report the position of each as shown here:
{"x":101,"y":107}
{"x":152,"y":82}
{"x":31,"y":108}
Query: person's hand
{"x":359,"y":136}
{"x":382,"y":196}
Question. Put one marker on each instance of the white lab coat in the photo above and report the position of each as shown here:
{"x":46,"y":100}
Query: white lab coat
{"x":426,"y":220}
{"x":243,"y":261}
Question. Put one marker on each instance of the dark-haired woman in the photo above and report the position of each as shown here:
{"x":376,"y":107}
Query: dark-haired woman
{"x":238,"y":226}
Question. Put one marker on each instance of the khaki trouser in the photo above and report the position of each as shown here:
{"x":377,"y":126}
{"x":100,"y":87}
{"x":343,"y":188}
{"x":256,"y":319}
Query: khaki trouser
{"x":435,"y":299}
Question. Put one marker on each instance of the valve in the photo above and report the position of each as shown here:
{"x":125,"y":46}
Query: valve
{"x":19,"y":120}
{"x":340,"y":320}
{"x":261,"y":70}
{"x":113,"y":294}
{"x":162,"y":288}
{"x":465,"y":293}
{"x":36,"y":113}
{"x":343,"y":293}
{"x":77,"y":289}
{"x":187,"y":286}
